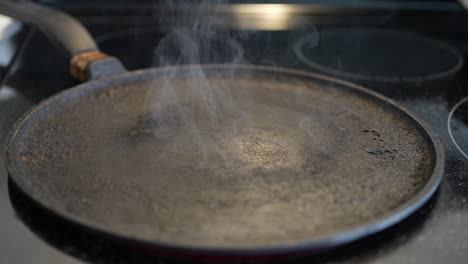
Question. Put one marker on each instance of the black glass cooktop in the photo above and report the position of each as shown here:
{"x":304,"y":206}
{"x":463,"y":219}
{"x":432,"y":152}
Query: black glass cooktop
{"x":410,"y":56}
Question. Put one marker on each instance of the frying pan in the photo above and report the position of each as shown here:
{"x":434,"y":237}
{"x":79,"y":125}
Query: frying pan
{"x":217,"y":160}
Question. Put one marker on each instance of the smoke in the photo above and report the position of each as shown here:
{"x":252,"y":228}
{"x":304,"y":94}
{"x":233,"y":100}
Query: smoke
{"x":190,"y":99}
{"x":198,"y":36}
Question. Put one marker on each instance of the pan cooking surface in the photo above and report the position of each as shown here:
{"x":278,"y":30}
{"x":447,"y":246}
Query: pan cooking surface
{"x":247,"y":158}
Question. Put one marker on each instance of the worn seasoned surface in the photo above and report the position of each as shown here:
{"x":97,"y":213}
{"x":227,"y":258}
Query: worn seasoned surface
{"x":263,"y":159}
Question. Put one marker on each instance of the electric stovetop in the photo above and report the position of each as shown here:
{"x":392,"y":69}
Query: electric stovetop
{"x":413,"y":53}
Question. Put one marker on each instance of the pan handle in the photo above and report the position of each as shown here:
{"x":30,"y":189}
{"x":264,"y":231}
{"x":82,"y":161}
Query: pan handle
{"x":86,"y":61}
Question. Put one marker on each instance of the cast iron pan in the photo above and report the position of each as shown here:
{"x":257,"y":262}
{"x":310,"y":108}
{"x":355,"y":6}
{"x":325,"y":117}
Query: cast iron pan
{"x":218,"y":160}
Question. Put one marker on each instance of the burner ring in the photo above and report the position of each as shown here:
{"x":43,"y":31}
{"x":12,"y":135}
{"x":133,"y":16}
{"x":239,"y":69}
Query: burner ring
{"x":369,"y":46}
{"x":144,"y":47}
{"x":449,"y":127}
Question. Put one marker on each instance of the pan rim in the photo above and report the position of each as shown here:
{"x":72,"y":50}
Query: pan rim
{"x":384,"y":221}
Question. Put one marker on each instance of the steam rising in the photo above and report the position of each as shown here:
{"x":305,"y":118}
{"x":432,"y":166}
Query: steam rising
{"x":199,"y":38}
{"x":211,"y":116}
{"x":186,"y":99}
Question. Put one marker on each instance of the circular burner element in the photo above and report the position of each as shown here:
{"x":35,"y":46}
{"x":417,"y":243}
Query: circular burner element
{"x":146,"y":47}
{"x":457,"y":126}
{"x":132,"y":46}
{"x":378,"y":55}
